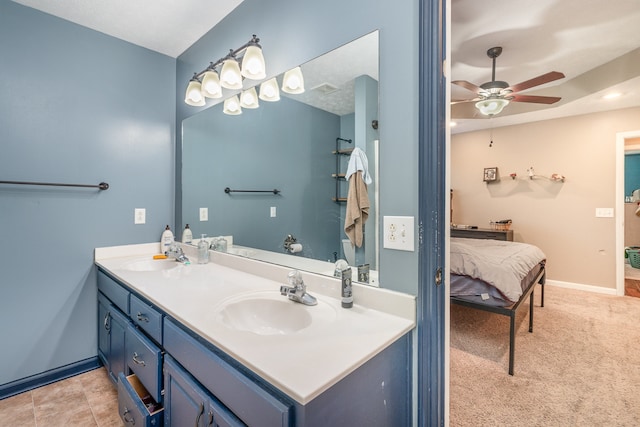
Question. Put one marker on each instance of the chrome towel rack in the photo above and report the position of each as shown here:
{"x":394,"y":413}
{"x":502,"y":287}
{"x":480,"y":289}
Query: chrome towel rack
{"x":101,"y":186}
{"x":274,"y":191}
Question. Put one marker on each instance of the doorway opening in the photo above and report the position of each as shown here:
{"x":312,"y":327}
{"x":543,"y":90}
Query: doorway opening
{"x":627,"y":276}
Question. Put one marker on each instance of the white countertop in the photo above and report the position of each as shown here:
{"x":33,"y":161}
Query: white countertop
{"x":302,"y":364}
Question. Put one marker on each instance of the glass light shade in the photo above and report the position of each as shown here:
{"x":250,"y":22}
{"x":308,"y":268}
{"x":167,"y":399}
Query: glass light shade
{"x":249,"y":98}
{"x":211,"y":85}
{"x":193,"y":96}
{"x":269,"y":90}
{"x":232,"y":106}
{"x":253,"y":63}
{"x":293,"y":82}
{"x":230,"y":76}
{"x":491,"y":106}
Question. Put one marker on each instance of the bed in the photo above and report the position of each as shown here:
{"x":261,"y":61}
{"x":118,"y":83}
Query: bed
{"x":498,"y":277}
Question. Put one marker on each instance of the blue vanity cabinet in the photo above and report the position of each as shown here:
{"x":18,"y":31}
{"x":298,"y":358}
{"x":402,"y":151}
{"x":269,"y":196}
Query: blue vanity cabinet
{"x":189,"y":404}
{"x":112,"y":326}
{"x":253,"y":402}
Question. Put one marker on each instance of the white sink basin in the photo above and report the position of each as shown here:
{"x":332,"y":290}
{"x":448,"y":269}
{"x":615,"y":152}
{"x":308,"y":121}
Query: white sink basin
{"x":151,"y":265}
{"x":269,"y":313}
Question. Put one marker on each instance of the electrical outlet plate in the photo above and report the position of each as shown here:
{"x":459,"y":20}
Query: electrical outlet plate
{"x":604,"y":212}
{"x":139,"y":216}
{"x":399,"y":233}
{"x":204,"y":214}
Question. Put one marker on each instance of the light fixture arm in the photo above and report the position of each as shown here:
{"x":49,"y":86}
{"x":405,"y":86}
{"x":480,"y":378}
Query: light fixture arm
{"x":255,"y":41}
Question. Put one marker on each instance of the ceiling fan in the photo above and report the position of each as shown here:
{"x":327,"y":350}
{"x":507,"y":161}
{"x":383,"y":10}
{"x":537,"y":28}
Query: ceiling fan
{"x":493,"y":96}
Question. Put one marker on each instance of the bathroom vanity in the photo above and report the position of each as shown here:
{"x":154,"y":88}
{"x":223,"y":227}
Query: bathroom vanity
{"x":216,"y":344}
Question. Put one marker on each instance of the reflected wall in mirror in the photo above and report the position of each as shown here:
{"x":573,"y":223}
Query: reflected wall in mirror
{"x":289,"y":145}
{"x":631,"y":169}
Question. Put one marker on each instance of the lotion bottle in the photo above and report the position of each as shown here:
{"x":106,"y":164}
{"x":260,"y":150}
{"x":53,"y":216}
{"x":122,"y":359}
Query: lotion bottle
{"x":187,"y":235}
{"x":166,"y":240}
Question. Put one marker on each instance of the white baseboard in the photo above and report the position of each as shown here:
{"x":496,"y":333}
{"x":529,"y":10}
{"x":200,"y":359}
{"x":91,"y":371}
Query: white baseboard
{"x":581,"y":287}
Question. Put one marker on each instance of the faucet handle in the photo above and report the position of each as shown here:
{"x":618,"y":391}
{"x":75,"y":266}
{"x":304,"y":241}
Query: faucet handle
{"x":295,"y":278}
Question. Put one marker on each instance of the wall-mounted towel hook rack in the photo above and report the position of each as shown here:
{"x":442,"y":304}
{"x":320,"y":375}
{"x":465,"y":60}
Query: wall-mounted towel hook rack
{"x":274,"y":191}
{"x":101,"y":186}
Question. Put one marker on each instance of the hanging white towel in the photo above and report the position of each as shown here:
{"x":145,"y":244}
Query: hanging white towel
{"x":358,"y":162}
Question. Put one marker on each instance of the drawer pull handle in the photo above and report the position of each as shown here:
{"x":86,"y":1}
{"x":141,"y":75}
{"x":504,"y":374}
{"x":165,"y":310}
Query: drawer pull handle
{"x":128,"y":420}
{"x":136,"y":360}
{"x":142,"y":318}
{"x":200,"y":414}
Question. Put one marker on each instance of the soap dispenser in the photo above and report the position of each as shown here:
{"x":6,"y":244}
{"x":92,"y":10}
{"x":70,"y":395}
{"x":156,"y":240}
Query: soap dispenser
{"x":187,"y":235}
{"x":166,"y":240}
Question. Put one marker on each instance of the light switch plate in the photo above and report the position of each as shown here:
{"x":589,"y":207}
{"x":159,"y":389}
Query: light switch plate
{"x":204,"y":214}
{"x":139,"y":216}
{"x":398,"y":233}
{"x":273,"y":212}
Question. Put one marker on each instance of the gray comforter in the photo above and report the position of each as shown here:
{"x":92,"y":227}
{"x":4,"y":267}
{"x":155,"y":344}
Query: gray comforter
{"x":499,"y":263}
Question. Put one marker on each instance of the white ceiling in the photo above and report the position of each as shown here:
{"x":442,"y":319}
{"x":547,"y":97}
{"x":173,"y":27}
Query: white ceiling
{"x":165,"y":26}
{"x":573,"y":37}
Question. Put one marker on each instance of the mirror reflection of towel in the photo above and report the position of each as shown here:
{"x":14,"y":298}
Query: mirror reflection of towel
{"x":357,"y":209}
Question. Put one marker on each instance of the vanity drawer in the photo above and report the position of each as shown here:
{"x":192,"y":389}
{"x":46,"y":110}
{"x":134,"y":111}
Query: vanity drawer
{"x":250,"y":402}
{"x":146,"y":317}
{"x":118,"y":295}
{"x":135,"y":405}
{"x":144,"y":359}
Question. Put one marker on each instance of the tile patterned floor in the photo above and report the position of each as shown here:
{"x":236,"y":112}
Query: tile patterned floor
{"x":86,"y":400}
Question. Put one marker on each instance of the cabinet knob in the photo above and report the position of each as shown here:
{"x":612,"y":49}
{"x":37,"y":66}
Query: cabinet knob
{"x":142,"y":318}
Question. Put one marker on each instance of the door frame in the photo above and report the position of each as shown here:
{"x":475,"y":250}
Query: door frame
{"x":433,"y":222}
{"x":619,"y":206}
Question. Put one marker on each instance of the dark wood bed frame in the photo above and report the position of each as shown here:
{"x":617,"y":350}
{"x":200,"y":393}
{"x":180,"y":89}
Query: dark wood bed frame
{"x":512,"y":309}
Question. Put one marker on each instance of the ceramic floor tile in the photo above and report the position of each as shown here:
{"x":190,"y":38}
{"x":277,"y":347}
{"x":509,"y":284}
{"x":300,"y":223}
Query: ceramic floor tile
{"x":17,"y":411}
{"x":67,"y":416}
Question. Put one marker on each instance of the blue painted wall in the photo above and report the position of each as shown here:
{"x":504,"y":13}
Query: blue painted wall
{"x":81,"y":107}
{"x":294,"y":156}
{"x":631,"y":173}
{"x":293,"y":32}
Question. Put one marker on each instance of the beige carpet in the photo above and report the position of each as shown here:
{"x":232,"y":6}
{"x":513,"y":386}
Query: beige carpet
{"x":579,"y":367}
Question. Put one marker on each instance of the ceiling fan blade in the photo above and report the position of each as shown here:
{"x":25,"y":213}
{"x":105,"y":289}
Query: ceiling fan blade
{"x":461,"y":101}
{"x":537,"y":81}
{"x":535,"y":99}
{"x":467,"y":85}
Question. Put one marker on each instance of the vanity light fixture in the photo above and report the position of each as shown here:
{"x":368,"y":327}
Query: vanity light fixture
{"x":249,"y":98}
{"x":491,"y":106}
{"x":269,"y":90}
{"x":211,"y":87}
{"x":293,"y":81}
{"x":232,"y":106}
{"x":226,"y":73}
{"x":194,"y":96}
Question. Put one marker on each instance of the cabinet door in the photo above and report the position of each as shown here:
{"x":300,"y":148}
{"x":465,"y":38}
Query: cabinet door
{"x":185,"y":402}
{"x":104,"y":329}
{"x":118,"y":328}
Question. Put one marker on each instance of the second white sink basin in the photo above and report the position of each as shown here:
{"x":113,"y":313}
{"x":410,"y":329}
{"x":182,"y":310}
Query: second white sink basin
{"x":269,"y":313}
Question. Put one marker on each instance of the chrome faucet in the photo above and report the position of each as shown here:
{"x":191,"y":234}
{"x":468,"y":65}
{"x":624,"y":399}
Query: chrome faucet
{"x":176,"y":252}
{"x":298,"y":290}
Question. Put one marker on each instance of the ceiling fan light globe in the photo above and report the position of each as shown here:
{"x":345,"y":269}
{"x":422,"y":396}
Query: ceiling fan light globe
{"x":491,"y":107}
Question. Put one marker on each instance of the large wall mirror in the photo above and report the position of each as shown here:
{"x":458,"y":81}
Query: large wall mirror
{"x":300,"y":146}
